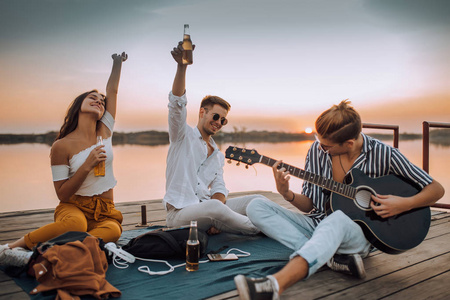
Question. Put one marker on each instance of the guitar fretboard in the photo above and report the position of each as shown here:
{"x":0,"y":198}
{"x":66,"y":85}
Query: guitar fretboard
{"x":328,"y":184}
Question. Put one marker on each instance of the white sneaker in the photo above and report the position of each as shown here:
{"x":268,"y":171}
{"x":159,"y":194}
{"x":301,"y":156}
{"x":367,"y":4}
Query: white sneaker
{"x":17,"y":257}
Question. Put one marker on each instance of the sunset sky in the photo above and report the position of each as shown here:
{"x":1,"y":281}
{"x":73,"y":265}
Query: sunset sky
{"x":279,"y":63}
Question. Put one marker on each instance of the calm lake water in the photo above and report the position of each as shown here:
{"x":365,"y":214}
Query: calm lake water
{"x":26,"y":180}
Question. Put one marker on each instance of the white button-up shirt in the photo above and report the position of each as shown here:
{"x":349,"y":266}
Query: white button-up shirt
{"x":191,"y":175}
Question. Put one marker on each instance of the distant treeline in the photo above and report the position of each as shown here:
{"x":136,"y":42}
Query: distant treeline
{"x":153,"y":138}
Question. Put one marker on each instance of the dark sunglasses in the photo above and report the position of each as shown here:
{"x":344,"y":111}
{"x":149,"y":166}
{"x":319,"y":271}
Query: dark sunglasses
{"x":223,"y":121}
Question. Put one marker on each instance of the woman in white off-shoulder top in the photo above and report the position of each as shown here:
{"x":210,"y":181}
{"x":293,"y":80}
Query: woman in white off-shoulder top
{"x":86,"y":201}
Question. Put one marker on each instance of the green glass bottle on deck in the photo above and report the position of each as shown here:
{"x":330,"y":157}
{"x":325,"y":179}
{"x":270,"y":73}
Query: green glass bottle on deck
{"x":192,"y":248}
{"x":187,"y":46}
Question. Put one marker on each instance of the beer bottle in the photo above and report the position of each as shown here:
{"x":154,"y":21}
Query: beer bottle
{"x":187,"y":46}
{"x":192,"y":248}
{"x":99,"y":170}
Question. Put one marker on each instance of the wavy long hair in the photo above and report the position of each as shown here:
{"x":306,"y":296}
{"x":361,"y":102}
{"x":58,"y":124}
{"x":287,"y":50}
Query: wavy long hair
{"x":71,"y":119}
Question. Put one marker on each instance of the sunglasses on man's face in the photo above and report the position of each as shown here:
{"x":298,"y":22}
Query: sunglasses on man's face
{"x":223,"y":121}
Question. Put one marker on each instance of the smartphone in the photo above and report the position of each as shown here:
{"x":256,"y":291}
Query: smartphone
{"x":221,"y":257}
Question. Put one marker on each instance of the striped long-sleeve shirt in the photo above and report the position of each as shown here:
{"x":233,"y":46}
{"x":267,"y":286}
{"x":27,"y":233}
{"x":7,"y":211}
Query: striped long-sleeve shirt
{"x":376,"y":159}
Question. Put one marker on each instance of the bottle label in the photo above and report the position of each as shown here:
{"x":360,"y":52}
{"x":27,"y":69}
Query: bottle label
{"x":192,"y":255}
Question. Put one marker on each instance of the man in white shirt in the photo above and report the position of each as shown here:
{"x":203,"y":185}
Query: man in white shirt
{"x":195,"y":189}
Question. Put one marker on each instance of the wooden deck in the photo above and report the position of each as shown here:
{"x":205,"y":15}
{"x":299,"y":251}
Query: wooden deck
{"x":421,"y":273}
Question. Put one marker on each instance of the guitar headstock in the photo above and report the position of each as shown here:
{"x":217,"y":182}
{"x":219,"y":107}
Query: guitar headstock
{"x":246,"y":156}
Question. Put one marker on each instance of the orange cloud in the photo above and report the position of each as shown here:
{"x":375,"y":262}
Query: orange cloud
{"x":408,"y":113}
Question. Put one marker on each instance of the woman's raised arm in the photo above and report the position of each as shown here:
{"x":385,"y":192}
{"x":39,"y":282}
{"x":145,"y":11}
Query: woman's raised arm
{"x":112,"y":87}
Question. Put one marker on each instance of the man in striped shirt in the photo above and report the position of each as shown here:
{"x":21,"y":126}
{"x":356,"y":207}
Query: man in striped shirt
{"x":334,"y":240}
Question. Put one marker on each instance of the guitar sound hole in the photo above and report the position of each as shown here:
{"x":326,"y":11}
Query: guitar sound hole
{"x":363,"y":197}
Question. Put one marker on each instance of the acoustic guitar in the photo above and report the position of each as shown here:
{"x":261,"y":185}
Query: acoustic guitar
{"x":392,"y":235}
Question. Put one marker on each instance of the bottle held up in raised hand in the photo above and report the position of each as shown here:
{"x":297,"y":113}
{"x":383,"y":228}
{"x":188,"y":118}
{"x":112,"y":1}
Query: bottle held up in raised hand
{"x":187,"y":46}
{"x":192,"y":248}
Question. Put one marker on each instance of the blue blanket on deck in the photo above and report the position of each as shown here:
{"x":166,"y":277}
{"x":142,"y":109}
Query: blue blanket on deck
{"x":213,"y":278}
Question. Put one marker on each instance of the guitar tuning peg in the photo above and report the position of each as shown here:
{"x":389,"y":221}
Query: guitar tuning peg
{"x":229,"y":161}
{"x":246,"y":166}
{"x":238,"y":163}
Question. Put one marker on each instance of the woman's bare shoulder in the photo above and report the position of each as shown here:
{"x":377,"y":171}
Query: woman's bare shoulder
{"x":61,"y":150}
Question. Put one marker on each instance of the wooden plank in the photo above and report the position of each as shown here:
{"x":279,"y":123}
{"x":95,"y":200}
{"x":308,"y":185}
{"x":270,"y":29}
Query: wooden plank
{"x":432,"y":288}
{"x":445,"y":219}
{"x":19,"y":227}
{"x":392,"y":283}
{"x":438,"y":230}
{"x":15,"y":296}
{"x":228,"y":295}
{"x":9,"y":289}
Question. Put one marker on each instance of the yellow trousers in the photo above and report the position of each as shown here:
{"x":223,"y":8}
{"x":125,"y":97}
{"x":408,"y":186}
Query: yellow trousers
{"x":95,"y":215}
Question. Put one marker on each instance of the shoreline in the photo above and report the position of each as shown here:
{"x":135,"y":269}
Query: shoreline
{"x":155,"y":138}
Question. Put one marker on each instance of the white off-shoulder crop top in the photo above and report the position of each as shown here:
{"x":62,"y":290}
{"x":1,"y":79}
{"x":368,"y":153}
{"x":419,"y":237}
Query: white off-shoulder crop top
{"x":91,"y":185}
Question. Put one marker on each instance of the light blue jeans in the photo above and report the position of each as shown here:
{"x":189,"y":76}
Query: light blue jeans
{"x":230,"y":217}
{"x":337,"y":233}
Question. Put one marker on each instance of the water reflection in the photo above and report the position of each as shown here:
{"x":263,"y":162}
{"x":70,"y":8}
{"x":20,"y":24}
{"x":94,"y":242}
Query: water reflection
{"x":26,"y":180}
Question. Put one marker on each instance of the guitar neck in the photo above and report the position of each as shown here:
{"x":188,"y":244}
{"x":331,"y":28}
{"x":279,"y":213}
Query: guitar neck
{"x":328,"y":184}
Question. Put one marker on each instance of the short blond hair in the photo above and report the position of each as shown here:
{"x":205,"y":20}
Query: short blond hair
{"x":339,"y":123}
